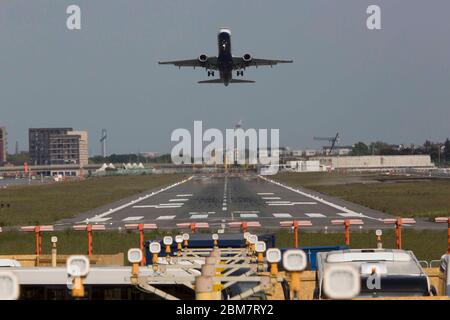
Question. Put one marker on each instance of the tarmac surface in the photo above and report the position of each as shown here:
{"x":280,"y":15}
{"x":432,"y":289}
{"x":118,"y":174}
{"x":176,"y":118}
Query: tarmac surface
{"x":220,"y":199}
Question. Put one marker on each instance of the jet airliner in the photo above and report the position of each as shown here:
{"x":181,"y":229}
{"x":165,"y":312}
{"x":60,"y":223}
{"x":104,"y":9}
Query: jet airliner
{"x":225,"y":62}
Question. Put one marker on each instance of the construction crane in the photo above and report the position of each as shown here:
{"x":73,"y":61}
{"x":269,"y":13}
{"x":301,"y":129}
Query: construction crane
{"x":331,"y":140}
{"x":103,"y":142}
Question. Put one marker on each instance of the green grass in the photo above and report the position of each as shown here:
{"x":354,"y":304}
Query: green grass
{"x":39,"y":204}
{"x":427,"y":245}
{"x":426,"y":198}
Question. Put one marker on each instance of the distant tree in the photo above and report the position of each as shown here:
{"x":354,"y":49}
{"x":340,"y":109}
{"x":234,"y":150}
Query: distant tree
{"x":447,"y":150}
{"x":360,"y":149}
{"x":18,"y":159}
{"x":380,"y":147}
{"x":126,"y":158}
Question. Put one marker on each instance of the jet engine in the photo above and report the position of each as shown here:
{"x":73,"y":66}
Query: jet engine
{"x":203,"y":58}
{"x":247,"y":57}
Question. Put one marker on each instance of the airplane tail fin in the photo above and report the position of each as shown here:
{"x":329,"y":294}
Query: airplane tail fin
{"x":232,"y":81}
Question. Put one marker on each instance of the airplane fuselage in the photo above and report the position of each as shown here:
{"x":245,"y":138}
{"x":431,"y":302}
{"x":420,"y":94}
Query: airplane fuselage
{"x":225,"y":63}
{"x":224,"y":58}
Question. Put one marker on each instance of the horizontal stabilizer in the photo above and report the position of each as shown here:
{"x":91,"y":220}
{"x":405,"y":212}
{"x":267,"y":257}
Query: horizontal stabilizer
{"x":212,"y":81}
{"x":241,"y":81}
{"x":232,"y":81}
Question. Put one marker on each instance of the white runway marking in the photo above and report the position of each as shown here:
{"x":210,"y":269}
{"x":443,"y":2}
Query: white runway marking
{"x":348,"y":214}
{"x":98,"y":219}
{"x":282,"y":215}
{"x":265,"y":193}
{"x":185,"y":195}
{"x":315,"y":215}
{"x":142,"y":198}
{"x":280,"y":204}
{"x":133,"y":218}
{"x":224,"y":208}
{"x":249,"y":215}
{"x":271,"y":198}
{"x":254,"y":211}
{"x":306,"y":202}
{"x":340,"y":208}
{"x":145,"y":206}
{"x":178,"y":200}
{"x":170,"y":204}
{"x":163,"y":206}
{"x":165,"y":218}
{"x":199,"y":216}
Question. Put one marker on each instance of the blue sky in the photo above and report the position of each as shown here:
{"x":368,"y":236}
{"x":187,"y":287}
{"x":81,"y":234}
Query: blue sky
{"x":390,"y":84}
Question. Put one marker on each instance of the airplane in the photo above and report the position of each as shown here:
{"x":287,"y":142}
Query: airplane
{"x":225,"y":62}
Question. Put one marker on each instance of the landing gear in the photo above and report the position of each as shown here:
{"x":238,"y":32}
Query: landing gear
{"x":240,"y":73}
{"x":210,"y":73}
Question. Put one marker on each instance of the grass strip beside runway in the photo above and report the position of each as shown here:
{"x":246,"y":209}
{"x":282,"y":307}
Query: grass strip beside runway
{"x":427,"y":245}
{"x":399,"y":196}
{"x":41,"y":204}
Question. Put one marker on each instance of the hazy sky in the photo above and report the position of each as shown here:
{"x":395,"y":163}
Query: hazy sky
{"x":392,"y":84}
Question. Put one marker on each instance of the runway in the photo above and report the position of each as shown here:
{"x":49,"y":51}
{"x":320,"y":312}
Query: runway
{"x":221,"y":199}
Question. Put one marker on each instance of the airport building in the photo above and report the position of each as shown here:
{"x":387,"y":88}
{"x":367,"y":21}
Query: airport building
{"x":58,"y":146}
{"x":3,"y":145}
{"x":377,"y":162}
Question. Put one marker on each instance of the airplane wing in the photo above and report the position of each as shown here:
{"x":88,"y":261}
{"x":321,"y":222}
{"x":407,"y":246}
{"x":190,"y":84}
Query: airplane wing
{"x":239,"y":63}
{"x":210,"y":63}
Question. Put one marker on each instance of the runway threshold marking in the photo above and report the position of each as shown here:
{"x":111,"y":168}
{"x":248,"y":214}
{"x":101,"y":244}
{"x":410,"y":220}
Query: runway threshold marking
{"x":98,"y":219}
{"x":265,"y":193}
{"x":178,"y":200}
{"x":330,"y":204}
{"x":165,"y":218}
{"x":142,"y":198}
{"x":348,"y":214}
{"x":304,"y":202}
{"x":315,"y":215}
{"x":282,"y":215}
{"x":157,"y":206}
{"x":248,"y":215}
{"x":185,"y":195}
{"x":271,"y":198}
{"x":133,"y":218}
{"x":199,"y":216}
